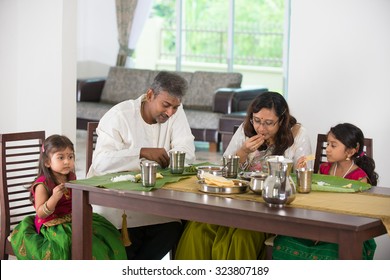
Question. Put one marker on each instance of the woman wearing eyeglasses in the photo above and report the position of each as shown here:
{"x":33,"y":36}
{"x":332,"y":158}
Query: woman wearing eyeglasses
{"x":268,"y":129}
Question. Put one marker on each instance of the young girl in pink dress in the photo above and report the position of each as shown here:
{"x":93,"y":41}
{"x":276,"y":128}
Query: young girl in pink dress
{"x":48,"y":234}
{"x":346,"y":159}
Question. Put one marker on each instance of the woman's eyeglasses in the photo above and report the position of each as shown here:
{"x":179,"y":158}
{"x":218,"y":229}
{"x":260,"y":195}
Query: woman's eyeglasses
{"x":265,"y":124}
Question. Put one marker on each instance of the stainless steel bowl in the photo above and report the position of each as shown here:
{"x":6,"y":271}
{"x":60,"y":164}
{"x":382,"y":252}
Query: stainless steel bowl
{"x":257,"y":183}
{"x":215,"y":170}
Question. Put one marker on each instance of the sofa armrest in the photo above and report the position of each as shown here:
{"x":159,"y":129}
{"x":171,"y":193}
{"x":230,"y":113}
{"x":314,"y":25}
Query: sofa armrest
{"x":90,"y":89}
{"x":228,"y":100}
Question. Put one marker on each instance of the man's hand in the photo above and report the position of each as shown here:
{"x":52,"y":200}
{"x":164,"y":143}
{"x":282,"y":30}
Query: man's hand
{"x":158,"y":155}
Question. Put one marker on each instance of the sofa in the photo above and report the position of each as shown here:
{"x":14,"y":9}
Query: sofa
{"x":210,"y":95}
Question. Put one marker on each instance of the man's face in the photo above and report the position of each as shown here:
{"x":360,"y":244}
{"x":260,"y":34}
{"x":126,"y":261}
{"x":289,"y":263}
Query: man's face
{"x":162,"y":106}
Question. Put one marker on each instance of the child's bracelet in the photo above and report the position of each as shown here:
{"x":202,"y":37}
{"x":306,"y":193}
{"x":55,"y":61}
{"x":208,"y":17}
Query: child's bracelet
{"x":46,"y":210}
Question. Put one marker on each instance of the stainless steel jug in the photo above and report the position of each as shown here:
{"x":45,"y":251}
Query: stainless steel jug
{"x":279,"y":188}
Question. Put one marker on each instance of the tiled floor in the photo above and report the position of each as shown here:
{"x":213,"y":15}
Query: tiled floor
{"x":202,"y":153}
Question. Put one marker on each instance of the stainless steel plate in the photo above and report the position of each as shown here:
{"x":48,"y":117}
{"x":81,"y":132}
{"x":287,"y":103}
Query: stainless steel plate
{"x":240,"y":186}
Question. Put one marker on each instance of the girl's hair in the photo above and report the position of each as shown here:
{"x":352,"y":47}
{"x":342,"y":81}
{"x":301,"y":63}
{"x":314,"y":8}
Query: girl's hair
{"x":272,"y":100}
{"x":352,"y":137}
{"x":51,"y":145}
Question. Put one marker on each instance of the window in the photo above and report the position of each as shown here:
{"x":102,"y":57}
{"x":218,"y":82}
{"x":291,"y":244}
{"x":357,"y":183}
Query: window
{"x":258,"y":31}
{"x":256,"y":49}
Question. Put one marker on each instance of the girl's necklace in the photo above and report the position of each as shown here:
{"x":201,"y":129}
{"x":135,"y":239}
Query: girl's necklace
{"x":349,"y":169}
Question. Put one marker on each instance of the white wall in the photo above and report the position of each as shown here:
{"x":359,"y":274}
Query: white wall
{"x":38,"y":66}
{"x":339,"y":71}
{"x":97,"y":44}
{"x":340,"y":68}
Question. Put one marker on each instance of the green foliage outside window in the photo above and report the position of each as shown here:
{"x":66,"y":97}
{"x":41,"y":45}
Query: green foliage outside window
{"x":258,"y":28}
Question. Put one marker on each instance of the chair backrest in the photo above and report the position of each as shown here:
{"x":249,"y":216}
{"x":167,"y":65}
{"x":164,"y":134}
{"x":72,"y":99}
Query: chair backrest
{"x":321,"y":150}
{"x":19,"y":160}
{"x":91,"y":143}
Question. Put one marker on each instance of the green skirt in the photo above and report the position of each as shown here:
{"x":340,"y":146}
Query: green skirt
{"x":55,"y":242}
{"x":201,"y":241}
{"x":291,"y":248}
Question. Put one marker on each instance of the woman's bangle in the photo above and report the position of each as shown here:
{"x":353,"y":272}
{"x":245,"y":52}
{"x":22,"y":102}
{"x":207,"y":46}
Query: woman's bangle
{"x":46,"y":210}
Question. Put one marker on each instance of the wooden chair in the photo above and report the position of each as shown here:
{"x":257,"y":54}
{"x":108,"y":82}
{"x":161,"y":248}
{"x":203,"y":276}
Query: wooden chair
{"x":321,"y":150}
{"x":91,"y":143}
{"x":235,"y":127}
{"x":19,"y":160}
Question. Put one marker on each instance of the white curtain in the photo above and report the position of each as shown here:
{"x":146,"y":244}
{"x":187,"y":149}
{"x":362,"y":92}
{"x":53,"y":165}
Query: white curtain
{"x":131,"y":18}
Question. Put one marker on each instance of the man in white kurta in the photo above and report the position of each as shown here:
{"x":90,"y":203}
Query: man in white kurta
{"x":148,"y":127}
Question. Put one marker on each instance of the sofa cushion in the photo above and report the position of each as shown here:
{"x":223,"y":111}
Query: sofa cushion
{"x":124,"y":83}
{"x":92,"y":110}
{"x":203,"y":119}
{"x":204,"y":85}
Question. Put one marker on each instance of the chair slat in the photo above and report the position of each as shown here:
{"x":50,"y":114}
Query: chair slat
{"x":22,"y":154}
{"x":21,"y":176}
{"x":22,"y":184}
{"x":20,"y":211}
{"x":91,"y":142}
{"x":19,"y":157}
{"x":25,"y":199}
{"x":24,"y":146}
{"x":18,"y":192}
{"x":22,"y":161}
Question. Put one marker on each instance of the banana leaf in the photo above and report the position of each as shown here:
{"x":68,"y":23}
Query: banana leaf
{"x":329,"y":183}
{"x":188,"y":170}
{"x":104,"y":181}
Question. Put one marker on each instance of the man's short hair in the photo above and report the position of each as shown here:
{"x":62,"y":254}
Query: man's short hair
{"x":171,"y":82}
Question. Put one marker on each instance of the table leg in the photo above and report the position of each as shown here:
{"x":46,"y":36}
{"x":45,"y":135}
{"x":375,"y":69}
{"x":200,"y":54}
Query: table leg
{"x":350,"y":248}
{"x":81,"y":226}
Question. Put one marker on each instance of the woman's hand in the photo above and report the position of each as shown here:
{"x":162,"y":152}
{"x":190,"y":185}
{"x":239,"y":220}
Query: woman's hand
{"x":249,"y":146}
{"x":253,"y":143}
{"x":301,"y":162}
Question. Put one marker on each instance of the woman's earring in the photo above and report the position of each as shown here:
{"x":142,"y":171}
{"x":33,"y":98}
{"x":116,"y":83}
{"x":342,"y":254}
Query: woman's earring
{"x":348,"y":158}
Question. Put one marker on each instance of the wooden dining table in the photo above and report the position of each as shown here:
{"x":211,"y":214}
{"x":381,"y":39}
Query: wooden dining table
{"x":349,"y":231}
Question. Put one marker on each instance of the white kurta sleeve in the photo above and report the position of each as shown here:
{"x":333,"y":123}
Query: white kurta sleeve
{"x":182,"y":138}
{"x":301,"y":147}
{"x":112,"y":152}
